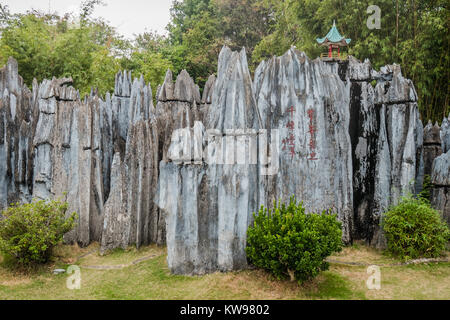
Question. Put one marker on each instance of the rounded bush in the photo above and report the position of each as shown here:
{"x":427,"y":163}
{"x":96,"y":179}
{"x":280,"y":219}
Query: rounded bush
{"x":29,"y":232}
{"x":288,"y":242}
{"x":414,"y":229}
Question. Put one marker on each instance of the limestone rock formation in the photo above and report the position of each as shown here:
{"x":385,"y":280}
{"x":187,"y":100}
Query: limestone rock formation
{"x":386,"y":137}
{"x":206,"y":99}
{"x":174,"y":108}
{"x":432,"y":145}
{"x":355,"y":150}
{"x":233,"y":181}
{"x":206,"y":225}
{"x":69,"y":156}
{"x":308,"y":107}
{"x":116,"y":225}
{"x":130,"y":210}
{"x":192,"y":170}
{"x":445,"y":134}
{"x":17,"y":125}
{"x":54,"y":145}
{"x":141,"y":167}
{"x":440,"y":179}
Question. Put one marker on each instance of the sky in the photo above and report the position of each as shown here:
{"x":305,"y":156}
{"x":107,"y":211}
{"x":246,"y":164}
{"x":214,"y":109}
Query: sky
{"x":129,"y":17}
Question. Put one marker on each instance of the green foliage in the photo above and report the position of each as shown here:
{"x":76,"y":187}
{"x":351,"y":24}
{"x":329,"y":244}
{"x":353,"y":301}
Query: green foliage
{"x":413,"y":229}
{"x":288,"y":242}
{"x":413,"y":34}
{"x":47,"y":45}
{"x":152,"y":65}
{"x":200,"y":28}
{"x":88,"y":50}
{"x":425,"y":194}
{"x":29,"y":232}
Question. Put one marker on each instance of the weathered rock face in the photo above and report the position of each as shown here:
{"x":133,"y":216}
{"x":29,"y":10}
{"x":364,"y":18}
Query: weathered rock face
{"x":207,"y":197}
{"x":55,"y":146}
{"x":191,"y":171}
{"x":354,"y":149}
{"x":176,"y":108}
{"x":206,"y":99}
{"x":116,"y":225}
{"x":141,"y":167}
{"x":440,"y":178}
{"x":17,"y":125}
{"x":70,"y":151}
{"x":131,"y":217}
{"x":445,"y":134}
{"x":386,"y":138}
{"x":308,"y":107}
{"x":437,"y":146}
{"x":432,"y":145}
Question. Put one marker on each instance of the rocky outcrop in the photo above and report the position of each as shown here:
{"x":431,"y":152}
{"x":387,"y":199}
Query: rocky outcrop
{"x":146,"y":143}
{"x":141,"y":167}
{"x":354,"y":148}
{"x":339,"y":135}
{"x":440,"y":178}
{"x":69,"y":151}
{"x":116,"y":225}
{"x":432,"y":145}
{"x":386,"y":141}
{"x":54,"y":145}
{"x":138,"y":149}
{"x":131,"y":217}
{"x":206,"y":99}
{"x":233,"y":183}
{"x":386,"y":138}
{"x":438,"y":139}
{"x":207,"y":198}
{"x":175,"y":108}
{"x":445,"y":134}
{"x":17,"y":124}
{"x":307,"y":107}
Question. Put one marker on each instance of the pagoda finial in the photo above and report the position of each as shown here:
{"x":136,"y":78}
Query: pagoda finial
{"x":334,"y":23}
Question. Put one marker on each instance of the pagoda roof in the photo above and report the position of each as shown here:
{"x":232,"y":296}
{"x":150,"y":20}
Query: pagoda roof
{"x":333,"y":37}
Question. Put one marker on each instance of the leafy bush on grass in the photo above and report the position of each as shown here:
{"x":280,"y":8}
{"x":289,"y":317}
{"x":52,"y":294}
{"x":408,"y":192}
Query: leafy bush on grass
{"x":28,"y":232}
{"x":414,"y":229}
{"x":288,"y":242}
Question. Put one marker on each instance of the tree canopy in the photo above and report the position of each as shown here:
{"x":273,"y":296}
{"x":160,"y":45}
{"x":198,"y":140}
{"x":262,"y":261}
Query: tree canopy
{"x":413,"y":33}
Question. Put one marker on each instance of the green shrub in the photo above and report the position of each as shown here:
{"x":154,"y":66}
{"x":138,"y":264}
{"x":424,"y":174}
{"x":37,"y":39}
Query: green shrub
{"x":29,"y":232}
{"x":288,"y":242}
{"x":414,"y":229}
{"x":426,"y":188}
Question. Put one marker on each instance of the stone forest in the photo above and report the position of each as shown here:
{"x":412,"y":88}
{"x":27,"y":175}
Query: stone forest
{"x":190,"y":171}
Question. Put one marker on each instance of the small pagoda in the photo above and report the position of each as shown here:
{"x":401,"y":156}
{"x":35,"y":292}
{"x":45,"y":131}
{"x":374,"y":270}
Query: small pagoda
{"x":333,"y":40}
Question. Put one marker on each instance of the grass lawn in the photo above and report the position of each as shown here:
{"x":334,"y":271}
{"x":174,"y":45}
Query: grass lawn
{"x":151,"y":279}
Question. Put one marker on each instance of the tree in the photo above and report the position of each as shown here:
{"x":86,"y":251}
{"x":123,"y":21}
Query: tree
{"x":151,"y":65}
{"x":200,"y":28}
{"x":47,"y":45}
{"x":414,"y":34}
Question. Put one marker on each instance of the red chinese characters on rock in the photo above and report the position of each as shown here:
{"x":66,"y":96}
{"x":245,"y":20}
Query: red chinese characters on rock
{"x":312,"y":132}
{"x":289,"y":142}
